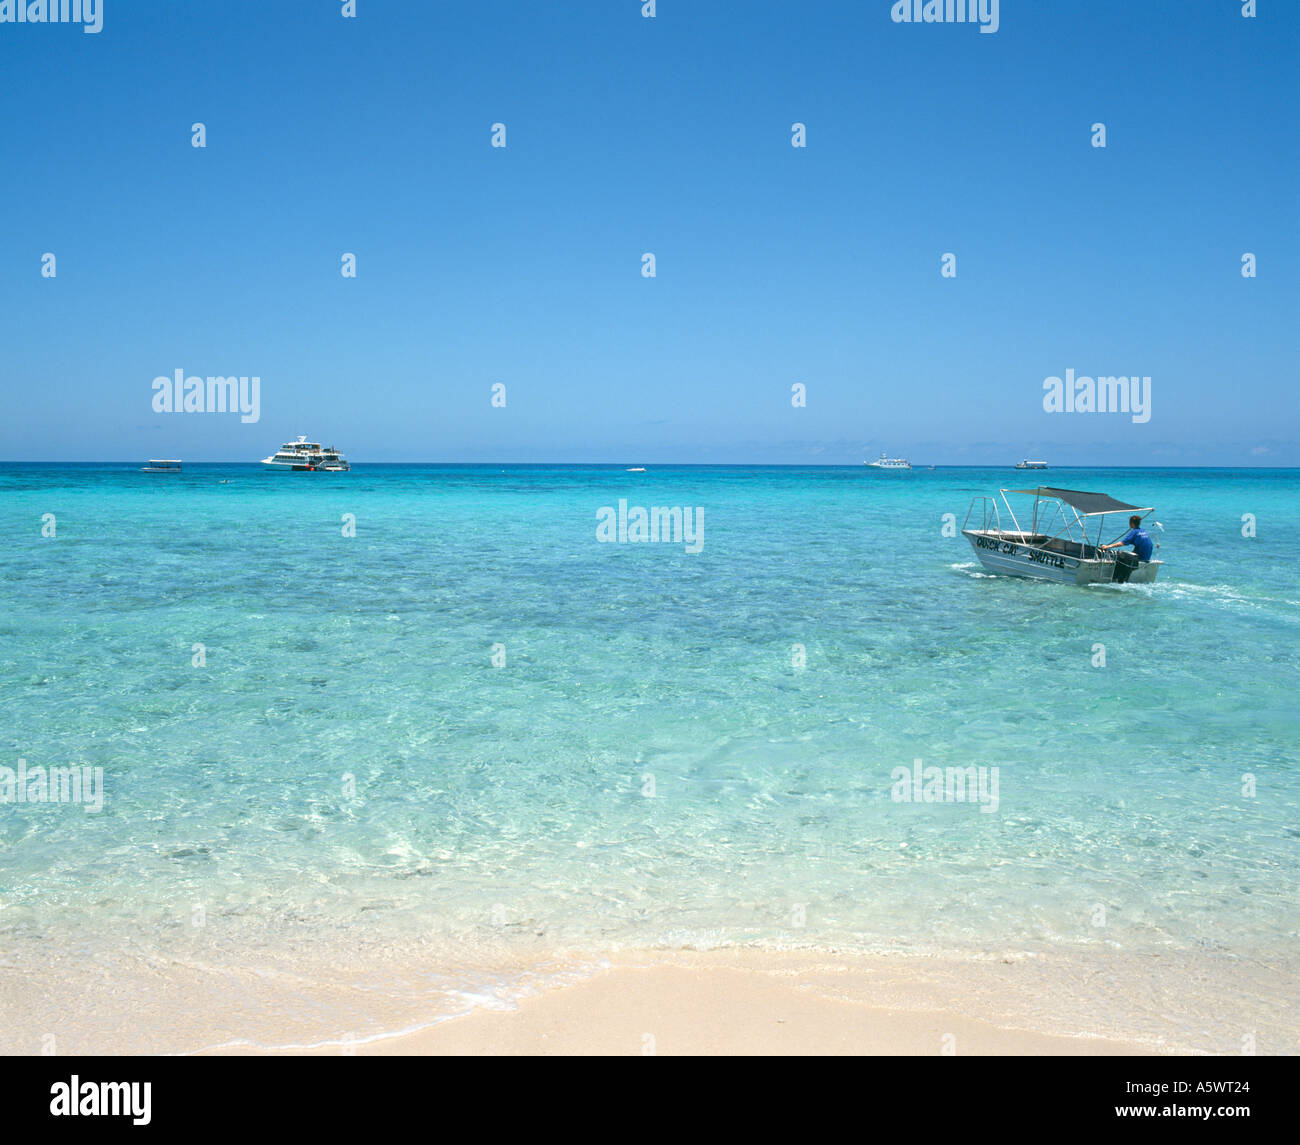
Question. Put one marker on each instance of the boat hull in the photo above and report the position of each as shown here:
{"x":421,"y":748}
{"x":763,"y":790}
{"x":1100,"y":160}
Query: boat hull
{"x":287,"y":467}
{"x":1013,"y":558}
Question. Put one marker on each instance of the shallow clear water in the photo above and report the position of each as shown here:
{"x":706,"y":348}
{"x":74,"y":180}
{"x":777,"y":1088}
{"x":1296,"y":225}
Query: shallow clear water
{"x":349,"y":777}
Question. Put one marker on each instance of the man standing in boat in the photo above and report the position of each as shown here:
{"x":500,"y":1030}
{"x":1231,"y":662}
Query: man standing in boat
{"x":1136,"y":536}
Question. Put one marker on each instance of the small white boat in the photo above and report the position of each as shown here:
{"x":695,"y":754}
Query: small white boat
{"x":637,"y":469}
{"x":1055,"y":545}
{"x":162,"y":466}
{"x":1031,"y":464}
{"x":307,"y":456}
{"x":883,"y":462}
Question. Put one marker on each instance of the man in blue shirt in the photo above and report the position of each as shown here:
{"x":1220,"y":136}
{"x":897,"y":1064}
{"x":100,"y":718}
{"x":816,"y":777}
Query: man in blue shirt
{"x":1136,"y":536}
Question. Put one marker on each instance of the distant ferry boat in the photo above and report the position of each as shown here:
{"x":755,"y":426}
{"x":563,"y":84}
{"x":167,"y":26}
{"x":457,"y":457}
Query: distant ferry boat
{"x":308,"y":456}
{"x":883,"y":462}
{"x":156,"y":466}
{"x":1031,"y":464}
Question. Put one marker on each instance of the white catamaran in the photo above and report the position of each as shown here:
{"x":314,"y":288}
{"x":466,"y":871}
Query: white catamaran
{"x":1056,"y":545}
{"x":883,"y":462}
{"x":307,"y":456}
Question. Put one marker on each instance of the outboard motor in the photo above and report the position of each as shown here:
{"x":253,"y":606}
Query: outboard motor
{"x":1125,"y":564}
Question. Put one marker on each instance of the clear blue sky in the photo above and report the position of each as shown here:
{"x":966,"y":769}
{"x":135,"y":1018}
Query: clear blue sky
{"x":670,"y":135}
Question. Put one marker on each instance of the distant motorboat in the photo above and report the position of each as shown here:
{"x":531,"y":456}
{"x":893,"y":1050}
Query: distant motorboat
{"x":156,"y":466}
{"x":883,"y":462}
{"x":1031,"y":464}
{"x":637,"y":469}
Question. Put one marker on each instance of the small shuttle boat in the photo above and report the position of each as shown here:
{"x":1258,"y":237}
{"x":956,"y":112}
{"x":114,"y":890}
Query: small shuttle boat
{"x":1053,"y":543}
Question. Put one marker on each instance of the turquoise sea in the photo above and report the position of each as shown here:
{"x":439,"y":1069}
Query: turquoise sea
{"x":450,"y":758}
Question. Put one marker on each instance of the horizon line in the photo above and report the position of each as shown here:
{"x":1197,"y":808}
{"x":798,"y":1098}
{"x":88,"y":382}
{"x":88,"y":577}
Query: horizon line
{"x":671,"y":464}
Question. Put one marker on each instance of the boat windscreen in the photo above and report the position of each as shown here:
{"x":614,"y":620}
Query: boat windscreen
{"x":1088,"y":504}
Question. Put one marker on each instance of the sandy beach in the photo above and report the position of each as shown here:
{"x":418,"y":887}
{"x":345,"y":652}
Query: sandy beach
{"x":703,"y":1005}
{"x":731,"y":1000}
{"x":745,"y":1001}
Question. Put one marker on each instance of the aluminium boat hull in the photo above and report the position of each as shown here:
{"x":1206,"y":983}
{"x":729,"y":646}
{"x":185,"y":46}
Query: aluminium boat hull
{"x":1010,"y":557}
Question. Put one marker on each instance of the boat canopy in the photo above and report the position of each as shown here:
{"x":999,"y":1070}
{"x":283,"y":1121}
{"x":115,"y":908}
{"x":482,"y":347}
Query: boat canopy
{"x":1087,"y":504}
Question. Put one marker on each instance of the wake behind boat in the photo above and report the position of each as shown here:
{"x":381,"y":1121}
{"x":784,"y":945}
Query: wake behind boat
{"x":307,"y":456}
{"x":1056,"y":545}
